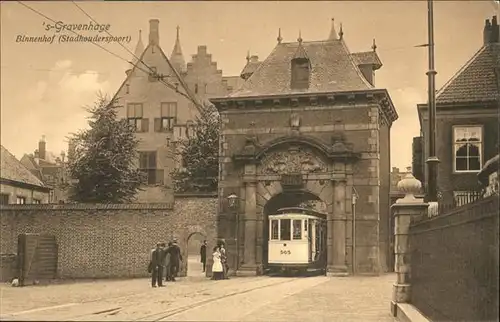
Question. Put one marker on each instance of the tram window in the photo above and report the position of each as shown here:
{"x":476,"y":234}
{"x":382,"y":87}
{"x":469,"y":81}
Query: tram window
{"x":285,"y":229}
{"x":297,"y":229}
{"x":274,"y":229}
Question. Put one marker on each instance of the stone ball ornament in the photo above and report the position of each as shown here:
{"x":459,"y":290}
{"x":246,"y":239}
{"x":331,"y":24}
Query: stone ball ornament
{"x":409,"y":185}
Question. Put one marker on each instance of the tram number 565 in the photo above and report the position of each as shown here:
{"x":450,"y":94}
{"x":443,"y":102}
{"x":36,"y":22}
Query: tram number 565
{"x":285,"y":252}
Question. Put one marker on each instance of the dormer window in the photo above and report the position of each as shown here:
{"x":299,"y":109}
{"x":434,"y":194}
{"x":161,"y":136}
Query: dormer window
{"x":301,"y":70}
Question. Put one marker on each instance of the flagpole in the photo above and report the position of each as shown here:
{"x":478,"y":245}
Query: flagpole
{"x":432,"y":160}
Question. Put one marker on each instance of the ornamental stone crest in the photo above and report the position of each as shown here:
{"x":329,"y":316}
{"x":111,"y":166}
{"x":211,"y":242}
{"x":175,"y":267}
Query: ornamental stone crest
{"x":294,"y":160}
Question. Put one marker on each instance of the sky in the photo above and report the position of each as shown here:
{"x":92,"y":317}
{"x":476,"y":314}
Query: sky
{"x":45,"y":87}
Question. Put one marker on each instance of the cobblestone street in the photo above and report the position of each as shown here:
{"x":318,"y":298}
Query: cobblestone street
{"x":198,"y":299}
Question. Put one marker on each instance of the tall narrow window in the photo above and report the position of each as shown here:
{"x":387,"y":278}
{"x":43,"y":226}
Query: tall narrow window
{"x":297,"y":229}
{"x":196,"y":88}
{"x":4,"y":199}
{"x":147,"y":164}
{"x":168,"y":116}
{"x":468,"y":142}
{"x":20,"y":200}
{"x":285,"y":229}
{"x":134,"y":116}
{"x":274,"y":229}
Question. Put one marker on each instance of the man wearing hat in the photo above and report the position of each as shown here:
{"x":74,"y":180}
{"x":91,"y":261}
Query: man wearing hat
{"x":175,"y":259}
{"x":156,"y":265}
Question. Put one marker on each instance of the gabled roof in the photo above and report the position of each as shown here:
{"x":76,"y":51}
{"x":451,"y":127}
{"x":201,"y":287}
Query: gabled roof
{"x":140,"y":65}
{"x":333,"y":70}
{"x":476,"y":80}
{"x":12,"y":169}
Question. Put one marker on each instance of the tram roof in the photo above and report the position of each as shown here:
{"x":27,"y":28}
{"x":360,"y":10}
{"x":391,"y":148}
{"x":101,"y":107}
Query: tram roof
{"x":300,"y":210}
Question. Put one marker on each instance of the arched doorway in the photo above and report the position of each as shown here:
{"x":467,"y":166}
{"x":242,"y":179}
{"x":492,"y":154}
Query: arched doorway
{"x":194,"y":267}
{"x":285,"y":199}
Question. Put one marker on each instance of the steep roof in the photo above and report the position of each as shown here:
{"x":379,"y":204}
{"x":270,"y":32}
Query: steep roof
{"x":333,"y":70}
{"x":12,"y":169}
{"x":183,"y":86}
{"x":476,"y":80}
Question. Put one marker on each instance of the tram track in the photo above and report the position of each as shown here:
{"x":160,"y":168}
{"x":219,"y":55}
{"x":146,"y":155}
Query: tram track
{"x":126,"y":302}
{"x":186,"y":308}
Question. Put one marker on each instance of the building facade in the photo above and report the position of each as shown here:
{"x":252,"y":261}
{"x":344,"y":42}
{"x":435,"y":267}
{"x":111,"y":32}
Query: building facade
{"x":466,"y":123}
{"x":162,"y":96}
{"x":309,"y":114}
{"x":50,"y":169}
{"x":18,"y":185}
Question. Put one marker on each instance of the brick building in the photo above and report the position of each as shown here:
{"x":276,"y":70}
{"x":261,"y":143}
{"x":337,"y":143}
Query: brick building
{"x":309,"y":111}
{"x":50,"y":169}
{"x":18,"y":185}
{"x":163,"y":115}
{"x":466,"y":122}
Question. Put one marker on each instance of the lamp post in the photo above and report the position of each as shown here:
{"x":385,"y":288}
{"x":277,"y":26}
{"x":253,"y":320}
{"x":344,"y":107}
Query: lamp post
{"x":233,"y":203}
{"x":354,"y":199}
{"x":432,"y":161}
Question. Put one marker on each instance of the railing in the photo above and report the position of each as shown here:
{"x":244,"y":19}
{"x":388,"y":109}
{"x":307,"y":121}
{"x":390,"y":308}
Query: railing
{"x":460,"y":199}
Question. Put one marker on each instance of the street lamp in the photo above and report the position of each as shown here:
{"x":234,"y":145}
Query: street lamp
{"x":233,"y":203}
{"x":355,"y":197}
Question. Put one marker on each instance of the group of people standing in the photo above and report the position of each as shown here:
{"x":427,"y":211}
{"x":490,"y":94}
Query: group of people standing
{"x":166,"y":258}
{"x":220,"y":267}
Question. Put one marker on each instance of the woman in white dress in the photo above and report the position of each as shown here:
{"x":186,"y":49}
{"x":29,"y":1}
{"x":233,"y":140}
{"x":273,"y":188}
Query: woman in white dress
{"x":217,"y":269}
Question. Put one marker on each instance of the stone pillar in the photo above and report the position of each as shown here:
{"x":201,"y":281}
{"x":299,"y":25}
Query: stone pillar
{"x":249,"y":266}
{"x":405,"y":210}
{"x":338,"y":251}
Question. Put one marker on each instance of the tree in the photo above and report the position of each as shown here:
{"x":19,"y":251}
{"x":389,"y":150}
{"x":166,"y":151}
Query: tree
{"x":103,"y":163}
{"x":199,"y":154}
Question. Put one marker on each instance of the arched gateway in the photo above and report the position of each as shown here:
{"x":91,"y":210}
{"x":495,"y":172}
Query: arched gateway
{"x":307,"y":124}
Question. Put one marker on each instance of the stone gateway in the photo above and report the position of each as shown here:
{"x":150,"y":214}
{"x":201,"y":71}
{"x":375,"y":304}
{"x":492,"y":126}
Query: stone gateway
{"x":308,"y":125}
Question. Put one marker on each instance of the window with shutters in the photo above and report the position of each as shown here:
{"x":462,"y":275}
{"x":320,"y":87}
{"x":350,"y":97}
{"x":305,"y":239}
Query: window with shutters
{"x":467,"y":148}
{"x":168,"y":117}
{"x":135,"y":117}
{"x":147,"y":165}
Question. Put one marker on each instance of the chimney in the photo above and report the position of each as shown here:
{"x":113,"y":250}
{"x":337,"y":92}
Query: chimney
{"x":154,"y":33}
{"x":41,"y":148}
{"x":495,"y":31}
{"x":487,"y":32}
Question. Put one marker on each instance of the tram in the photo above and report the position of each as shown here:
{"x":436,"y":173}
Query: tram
{"x":297,"y":240}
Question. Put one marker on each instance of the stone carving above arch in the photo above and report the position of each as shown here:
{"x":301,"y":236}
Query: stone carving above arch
{"x":338,"y":149}
{"x":293,"y":160}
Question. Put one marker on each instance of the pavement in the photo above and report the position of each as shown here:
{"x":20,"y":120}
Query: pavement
{"x":196,"y":298}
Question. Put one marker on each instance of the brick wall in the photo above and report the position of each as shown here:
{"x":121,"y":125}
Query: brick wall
{"x":104,"y":241}
{"x":454,"y":263}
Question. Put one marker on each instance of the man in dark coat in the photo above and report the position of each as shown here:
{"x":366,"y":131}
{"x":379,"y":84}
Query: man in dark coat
{"x":168,"y":263}
{"x":203,"y":254}
{"x":175,"y":259}
{"x":157,"y":256}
